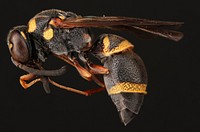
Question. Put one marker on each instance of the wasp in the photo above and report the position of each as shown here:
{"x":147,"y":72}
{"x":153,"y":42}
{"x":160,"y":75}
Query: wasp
{"x":68,"y":36}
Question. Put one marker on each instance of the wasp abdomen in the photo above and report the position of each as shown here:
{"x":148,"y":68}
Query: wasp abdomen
{"x":127,"y":79}
{"x":126,"y":83}
{"x":128,"y":105}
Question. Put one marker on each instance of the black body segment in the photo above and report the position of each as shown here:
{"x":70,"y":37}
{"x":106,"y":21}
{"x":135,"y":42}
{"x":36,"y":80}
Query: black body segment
{"x":125,"y":67}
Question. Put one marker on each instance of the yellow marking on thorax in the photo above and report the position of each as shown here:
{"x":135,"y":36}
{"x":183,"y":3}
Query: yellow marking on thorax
{"x":52,"y":23}
{"x":61,"y":17}
{"x":23,"y":35}
{"x":124,"y":45}
{"x":10,"y":46}
{"x":48,"y":34}
{"x":128,"y":87}
{"x":32,"y":25}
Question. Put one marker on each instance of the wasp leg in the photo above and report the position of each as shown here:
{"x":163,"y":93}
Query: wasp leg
{"x":94,"y":69}
{"x":86,"y":93}
{"x":93,"y":91}
{"x":82,"y":71}
{"x":97,"y":69}
{"x":37,"y":72}
{"x":97,"y":81}
{"x":40,"y":72}
{"x":45,"y":82}
{"x":64,"y":58}
{"x":67,"y":88}
{"x":28,"y":77}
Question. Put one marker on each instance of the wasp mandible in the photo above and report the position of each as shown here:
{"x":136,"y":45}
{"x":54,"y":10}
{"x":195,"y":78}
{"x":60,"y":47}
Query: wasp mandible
{"x":67,"y":36}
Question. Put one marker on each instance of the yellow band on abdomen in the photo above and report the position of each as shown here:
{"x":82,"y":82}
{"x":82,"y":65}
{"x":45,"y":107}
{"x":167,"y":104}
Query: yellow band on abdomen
{"x":128,"y":87}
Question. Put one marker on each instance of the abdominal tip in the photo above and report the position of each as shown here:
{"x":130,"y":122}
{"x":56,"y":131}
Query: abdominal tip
{"x":126,"y":116}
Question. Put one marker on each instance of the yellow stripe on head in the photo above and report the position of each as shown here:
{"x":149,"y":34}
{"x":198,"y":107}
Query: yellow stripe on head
{"x":10,"y":46}
{"x":32,"y":25}
{"x":23,"y":35}
{"x":128,"y":87}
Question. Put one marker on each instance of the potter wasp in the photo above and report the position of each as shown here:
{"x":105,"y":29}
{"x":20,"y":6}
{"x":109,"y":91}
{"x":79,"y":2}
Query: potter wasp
{"x":67,"y":36}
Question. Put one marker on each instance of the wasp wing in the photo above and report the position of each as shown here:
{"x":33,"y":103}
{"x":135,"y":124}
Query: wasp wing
{"x":151,"y":31}
{"x":112,"y":21}
{"x":157,"y":28}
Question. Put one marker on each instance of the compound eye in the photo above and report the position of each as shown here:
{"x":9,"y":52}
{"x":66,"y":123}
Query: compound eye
{"x":18,"y":47}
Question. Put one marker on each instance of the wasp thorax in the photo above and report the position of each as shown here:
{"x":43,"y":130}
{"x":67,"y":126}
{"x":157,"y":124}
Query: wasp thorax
{"x":17,"y":44}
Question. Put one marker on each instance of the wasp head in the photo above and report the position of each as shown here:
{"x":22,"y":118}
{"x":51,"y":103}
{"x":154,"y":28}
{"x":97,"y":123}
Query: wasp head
{"x":19,"y":44}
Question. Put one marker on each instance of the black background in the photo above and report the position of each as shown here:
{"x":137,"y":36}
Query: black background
{"x":172,"y":102}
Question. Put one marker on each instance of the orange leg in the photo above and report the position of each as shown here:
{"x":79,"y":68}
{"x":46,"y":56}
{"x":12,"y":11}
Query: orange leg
{"x":96,"y":90}
{"x":87,"y":72}
{"x":97,"y":69}
{"x":92,"y":68}
{"x":86,"y":93}
{"x":68,"y":88}
{"x":82,"y":71}
{"x":46,"y":80}
{"x":28,"y":77}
